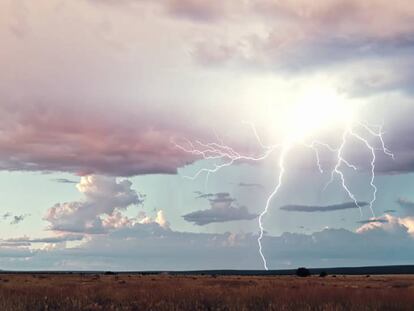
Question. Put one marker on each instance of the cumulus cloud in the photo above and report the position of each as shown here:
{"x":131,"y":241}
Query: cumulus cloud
{"x":104,"y":196}
{"x":390,"y":224}
{"x":160,"y":220}
{"x":221,"y":210}
{"x":327,"y":208}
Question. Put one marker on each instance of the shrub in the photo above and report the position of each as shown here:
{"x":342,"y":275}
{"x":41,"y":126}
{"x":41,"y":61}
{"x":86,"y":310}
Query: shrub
{"x":303,"y":272}
{"x":323,"y":274}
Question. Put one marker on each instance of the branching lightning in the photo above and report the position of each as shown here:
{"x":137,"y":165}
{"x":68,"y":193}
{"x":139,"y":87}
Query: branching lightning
{"x":225,"y":156}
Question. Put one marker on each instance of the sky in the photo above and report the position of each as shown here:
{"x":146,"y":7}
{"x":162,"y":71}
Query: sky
{"x":189,"y":134}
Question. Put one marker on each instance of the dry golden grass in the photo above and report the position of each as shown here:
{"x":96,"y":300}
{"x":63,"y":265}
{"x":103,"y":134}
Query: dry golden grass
{"x":167,"y":292}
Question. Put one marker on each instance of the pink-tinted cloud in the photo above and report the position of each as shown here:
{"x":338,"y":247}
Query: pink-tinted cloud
{"x":379,"y":18}
{"x":198,"y":10}
{"x":86,"y":141}
{"x":297,"y":34}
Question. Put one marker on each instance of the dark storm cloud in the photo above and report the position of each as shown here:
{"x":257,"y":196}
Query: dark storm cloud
{"x":326,"y":208}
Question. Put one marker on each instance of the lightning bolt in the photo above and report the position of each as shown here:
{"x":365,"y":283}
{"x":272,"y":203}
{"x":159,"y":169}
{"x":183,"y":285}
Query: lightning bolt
{"x":225,"y":156}
{"x":282,"y":170}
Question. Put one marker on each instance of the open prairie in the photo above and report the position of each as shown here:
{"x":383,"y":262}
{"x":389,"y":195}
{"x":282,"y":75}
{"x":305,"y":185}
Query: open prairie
{"x":204,"y":292}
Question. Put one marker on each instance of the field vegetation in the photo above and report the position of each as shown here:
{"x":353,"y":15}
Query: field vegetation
{"x":198,"y":292}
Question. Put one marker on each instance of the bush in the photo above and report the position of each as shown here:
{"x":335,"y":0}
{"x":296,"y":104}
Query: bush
{"x":323,"y":274}
{"x":303,"y":272}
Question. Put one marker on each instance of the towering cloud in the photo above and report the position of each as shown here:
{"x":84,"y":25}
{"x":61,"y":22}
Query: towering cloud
{"x":104,"y":197}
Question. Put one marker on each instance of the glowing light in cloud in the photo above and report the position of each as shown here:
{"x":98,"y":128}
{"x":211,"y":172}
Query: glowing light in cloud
{"x":304,"y":120}
{"x":319,"y":109}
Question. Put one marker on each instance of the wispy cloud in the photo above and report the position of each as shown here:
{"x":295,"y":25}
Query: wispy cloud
{"x":6,"y":215}
{"x":53,"y":239}
{"x":18,"y":219}
{"x":14,"y":219}
{"x":373,"y":220}
{"x":405,"y":203}
{"x":250,"y":185}
{"x":64,"y":181}
{"x":323,"y":208}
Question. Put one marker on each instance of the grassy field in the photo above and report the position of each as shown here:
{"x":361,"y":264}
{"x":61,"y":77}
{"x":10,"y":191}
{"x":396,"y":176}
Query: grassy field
{"x":167,"y":292}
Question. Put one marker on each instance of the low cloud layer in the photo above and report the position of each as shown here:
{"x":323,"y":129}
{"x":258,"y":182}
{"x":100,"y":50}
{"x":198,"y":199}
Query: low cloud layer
{"x":318,"y":208}
{"x":221,"y":210}
{"x":54,"y":239}
{"x":149,"y":246}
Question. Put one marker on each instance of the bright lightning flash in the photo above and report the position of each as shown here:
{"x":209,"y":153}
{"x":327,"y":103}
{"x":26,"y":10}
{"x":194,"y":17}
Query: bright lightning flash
{"x":318,"y":111}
